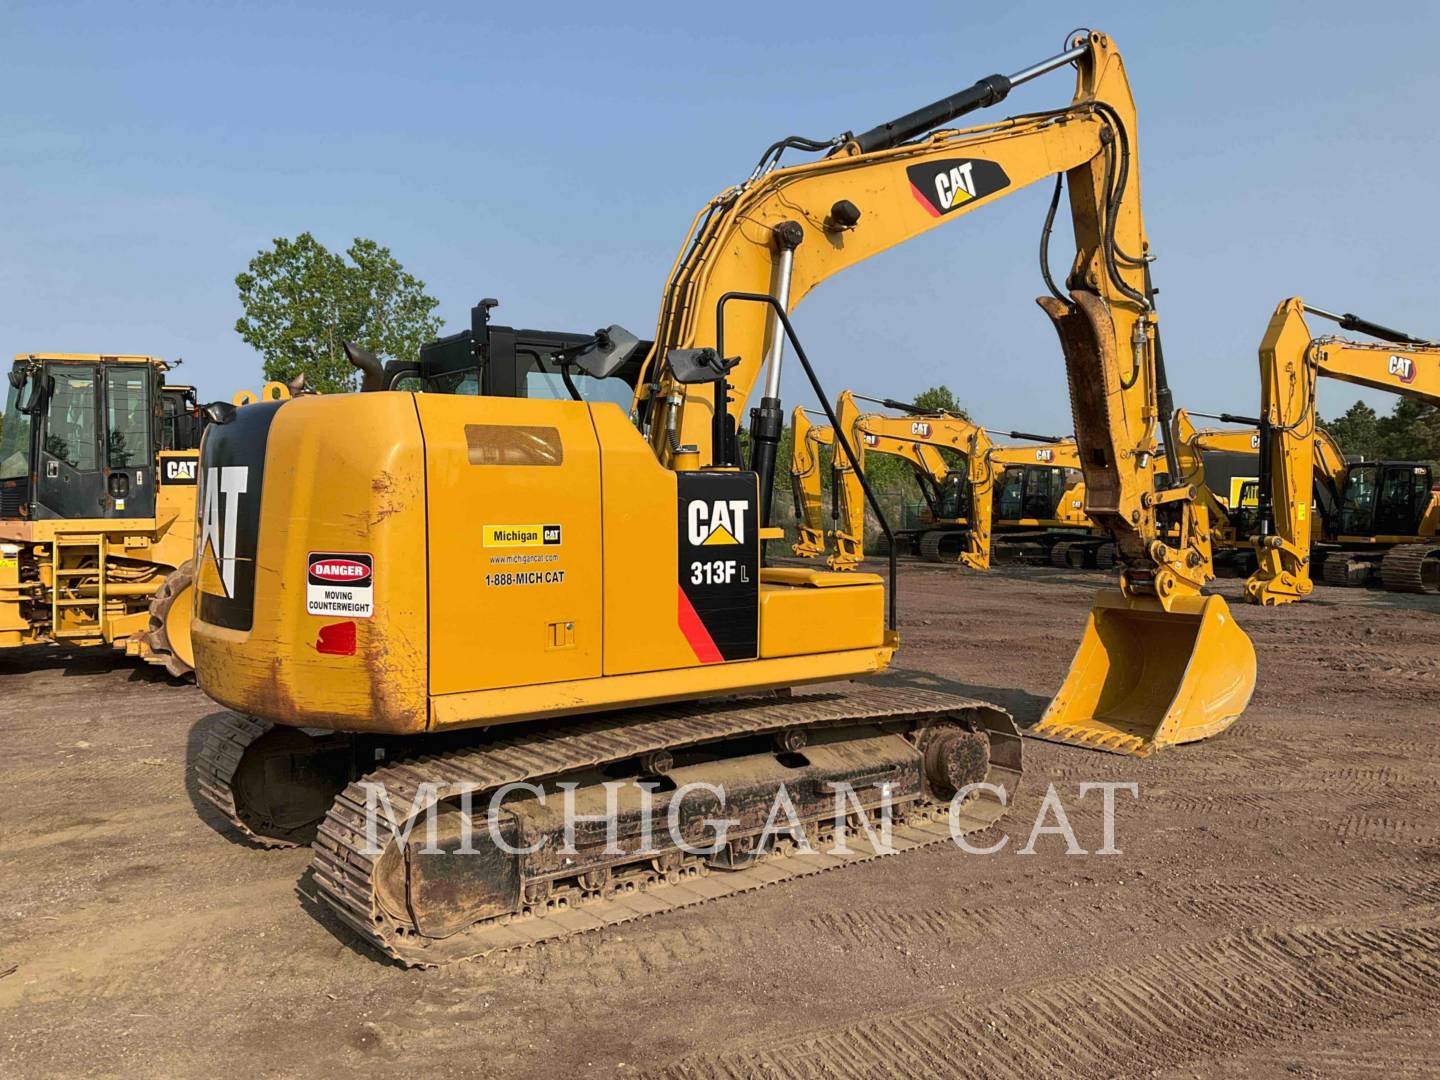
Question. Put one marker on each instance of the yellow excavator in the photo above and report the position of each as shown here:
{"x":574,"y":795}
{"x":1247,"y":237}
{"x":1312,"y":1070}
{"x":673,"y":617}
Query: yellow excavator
{"x":1381,"y":518}
{"x":805,"y":488}
{"x":98,"y":458}
{"x":1040,"y":494}
{"x":515,"y":593}
{"x":1222,"y":464}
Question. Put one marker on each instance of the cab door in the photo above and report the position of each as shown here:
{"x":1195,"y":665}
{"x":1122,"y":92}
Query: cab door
{"x":69,"y":482}
{"x":1010,"y":506}
{"x":1404,"y":490}
{"x":129,"y":452}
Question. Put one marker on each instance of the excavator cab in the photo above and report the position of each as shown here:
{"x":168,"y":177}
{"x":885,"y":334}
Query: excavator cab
{"x":1384,"y":498}
{"x":500,"y":361}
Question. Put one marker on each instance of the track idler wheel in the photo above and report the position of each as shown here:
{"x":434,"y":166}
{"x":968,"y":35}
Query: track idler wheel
{"x":167,"y":641}
{"x":955,"y":756}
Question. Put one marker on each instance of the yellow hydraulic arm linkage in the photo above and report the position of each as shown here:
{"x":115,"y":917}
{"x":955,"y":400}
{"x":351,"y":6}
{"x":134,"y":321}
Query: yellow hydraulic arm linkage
{"x":805,"y":487}
{"x":1295,"y":450}
{"x":1159,"y":662}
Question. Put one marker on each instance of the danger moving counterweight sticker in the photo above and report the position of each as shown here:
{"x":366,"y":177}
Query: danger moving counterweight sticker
{"x":340,"y":583}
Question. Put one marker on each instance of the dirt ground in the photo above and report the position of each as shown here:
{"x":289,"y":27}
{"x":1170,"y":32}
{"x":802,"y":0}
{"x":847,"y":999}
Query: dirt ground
{"x":1274,"y":911}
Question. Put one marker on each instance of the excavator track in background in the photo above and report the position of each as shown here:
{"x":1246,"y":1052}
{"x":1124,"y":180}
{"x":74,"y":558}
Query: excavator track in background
{"x":1067,"y":555}
{"x":1412,"y":568}
{"x":942,"y":545}
{"x":1343,"y":570}
{"x":427,"y":909}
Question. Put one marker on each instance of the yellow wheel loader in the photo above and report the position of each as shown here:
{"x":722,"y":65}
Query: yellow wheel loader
{"x":98,"y":458}
{"x":1380,"y":519}
{"x":470,"y":601}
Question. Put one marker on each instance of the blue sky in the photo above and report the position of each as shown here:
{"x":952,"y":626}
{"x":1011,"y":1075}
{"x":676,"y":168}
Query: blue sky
{"x":553,"y":154}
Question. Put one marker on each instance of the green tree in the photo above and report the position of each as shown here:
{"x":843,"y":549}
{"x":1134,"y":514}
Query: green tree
{"x":301,"y":301}
{"x":940,"y":397}
{"x":1411,"y":432}
{"x":1357,"y":431}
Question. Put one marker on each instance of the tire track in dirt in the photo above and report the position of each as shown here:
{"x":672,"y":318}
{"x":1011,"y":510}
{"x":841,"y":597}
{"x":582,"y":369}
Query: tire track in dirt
{"x":1394,"y":830}
{"x":1188,"y":1002}
{"x":1396,"y":1048}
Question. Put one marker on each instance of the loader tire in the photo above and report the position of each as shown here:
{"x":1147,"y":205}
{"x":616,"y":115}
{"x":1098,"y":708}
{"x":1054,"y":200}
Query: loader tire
{"x":168,"y":639}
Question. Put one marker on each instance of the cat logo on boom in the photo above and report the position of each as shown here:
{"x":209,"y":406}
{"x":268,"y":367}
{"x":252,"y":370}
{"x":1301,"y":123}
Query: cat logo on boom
{"x":1044,"y":455}
{"x":920,"y":427}
{"x":943,"y":186}
{"x":720,"y":522}
{"x":1403,"y":368}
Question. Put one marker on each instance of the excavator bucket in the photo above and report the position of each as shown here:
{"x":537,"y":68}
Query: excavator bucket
{"x":1145,"y":678}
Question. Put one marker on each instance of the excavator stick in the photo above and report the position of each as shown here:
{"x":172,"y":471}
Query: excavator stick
{"x":1146,"y":678}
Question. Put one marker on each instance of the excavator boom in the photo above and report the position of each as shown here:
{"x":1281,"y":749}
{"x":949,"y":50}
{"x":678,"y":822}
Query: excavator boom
{"x":1299,"y":458}
{"x":779,"y":234}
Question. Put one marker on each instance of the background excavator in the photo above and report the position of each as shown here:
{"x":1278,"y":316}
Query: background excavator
{"x":475,"y":606}
{"x":1222,"y":464}
{"x":806,"y":490}
{"x":98,"y":458}
{"x":1379,"y":518}
{"x":1026,"y":498}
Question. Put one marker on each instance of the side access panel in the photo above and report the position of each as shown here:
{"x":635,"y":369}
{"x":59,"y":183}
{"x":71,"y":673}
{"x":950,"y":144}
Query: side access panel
{"x":513,"y":491}
{"x":673,"y":599}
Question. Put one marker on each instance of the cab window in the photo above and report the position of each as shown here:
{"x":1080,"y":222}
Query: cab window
{"x":70,"y":425}
{"x":127,"y":395}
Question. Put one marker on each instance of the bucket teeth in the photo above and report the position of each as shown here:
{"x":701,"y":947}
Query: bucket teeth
{"x":1147,"y":676}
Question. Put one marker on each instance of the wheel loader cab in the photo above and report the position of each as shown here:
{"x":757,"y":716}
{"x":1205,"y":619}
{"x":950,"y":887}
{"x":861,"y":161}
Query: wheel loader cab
{"x":80,"y":438}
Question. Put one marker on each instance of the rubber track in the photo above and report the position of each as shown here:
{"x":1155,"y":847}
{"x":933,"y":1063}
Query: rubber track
{"x":1186,"y":1004}
{"x":215,"y":765}
{"x":344,"y":873}
{"x":1402,"y":568}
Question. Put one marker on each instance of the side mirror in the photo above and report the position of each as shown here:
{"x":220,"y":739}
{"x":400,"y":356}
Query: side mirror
{"x":18,"y":377}
{"x":41,"y":387}
{"x":614,"y":348}
{"x":690,"y":366}
{"x":219,"y":412}
{"x":372,"y":372}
